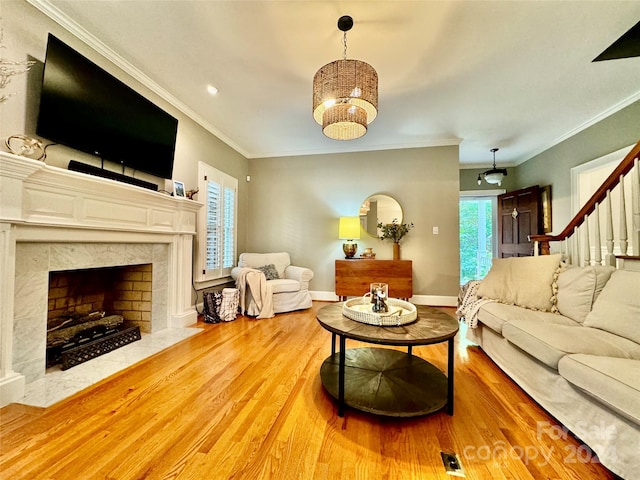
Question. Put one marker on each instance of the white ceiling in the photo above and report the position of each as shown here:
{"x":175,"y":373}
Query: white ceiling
{"x":510,"y":74}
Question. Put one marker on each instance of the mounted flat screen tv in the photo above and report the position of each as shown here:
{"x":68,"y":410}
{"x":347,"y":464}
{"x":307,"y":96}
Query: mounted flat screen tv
{"x":86,"y":108}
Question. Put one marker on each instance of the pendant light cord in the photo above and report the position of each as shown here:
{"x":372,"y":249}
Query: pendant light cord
{"x":344,"y":42}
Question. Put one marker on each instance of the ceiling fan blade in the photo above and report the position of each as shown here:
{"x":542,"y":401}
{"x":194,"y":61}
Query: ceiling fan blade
{"x":628,"y":45}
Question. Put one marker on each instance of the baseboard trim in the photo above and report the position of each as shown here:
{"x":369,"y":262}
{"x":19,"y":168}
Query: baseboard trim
{"x":185,"y":319}
{"x":11,"y":388}
{"x":431,"y":300}
{"x":321,"y":296}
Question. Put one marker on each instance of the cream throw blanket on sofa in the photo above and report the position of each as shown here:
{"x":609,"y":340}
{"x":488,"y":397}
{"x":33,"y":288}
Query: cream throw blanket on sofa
{"x":256,"y":283}
{"x":469,"y":304}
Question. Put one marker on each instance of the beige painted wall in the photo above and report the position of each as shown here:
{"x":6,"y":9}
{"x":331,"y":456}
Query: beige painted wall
{"x":553,"y":166}
{"x":295,"y":204}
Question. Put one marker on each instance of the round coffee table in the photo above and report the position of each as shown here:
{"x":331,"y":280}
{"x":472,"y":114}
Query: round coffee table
{"x":386,"y":381}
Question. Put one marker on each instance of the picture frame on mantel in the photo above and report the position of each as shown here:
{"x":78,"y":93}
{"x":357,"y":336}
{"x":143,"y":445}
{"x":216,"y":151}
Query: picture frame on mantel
{"x":178,"y":189}
{"x":545,"y":201}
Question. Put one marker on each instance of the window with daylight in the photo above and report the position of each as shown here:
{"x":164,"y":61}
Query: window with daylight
{"x":478,"y":229}
{"x":217,"y":223}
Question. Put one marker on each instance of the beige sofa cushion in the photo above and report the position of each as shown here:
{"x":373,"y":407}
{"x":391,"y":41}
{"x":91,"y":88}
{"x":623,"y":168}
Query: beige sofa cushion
{"x":524,"y":281}
{"x":549,"y":343}
{"x":578,"y":287}
{"x":495,"y":315}
{"x":612,"y":381}
{"x":617,"y":309}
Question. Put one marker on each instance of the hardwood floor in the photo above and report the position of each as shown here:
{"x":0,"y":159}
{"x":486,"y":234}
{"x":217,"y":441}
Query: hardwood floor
{"x":243,"y":400}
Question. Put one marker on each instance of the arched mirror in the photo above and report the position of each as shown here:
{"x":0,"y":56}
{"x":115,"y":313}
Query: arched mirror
{"x":378,"y":209}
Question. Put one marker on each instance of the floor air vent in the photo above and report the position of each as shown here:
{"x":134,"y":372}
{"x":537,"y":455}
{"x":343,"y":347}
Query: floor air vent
{"x":451,"y":464}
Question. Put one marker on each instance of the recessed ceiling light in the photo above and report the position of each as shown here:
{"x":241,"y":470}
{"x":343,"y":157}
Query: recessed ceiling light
{"x":212,"y":90}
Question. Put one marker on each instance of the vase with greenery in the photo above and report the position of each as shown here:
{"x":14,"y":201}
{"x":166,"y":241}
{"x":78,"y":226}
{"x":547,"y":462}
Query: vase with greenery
{"x":394,"y":231}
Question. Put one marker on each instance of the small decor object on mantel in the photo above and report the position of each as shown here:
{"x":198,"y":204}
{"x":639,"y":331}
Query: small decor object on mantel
{"x":191,"y":193}
{"x":26,"y":146}
{"x":395,"y":231}
{"x":178,"y":189}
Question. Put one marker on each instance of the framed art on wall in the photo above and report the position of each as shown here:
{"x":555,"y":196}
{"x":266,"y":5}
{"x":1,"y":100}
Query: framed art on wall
{"x":178,"y":188}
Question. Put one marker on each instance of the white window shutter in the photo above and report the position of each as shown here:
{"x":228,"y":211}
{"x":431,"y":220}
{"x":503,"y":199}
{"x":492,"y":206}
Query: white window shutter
{"x":216,"y":244}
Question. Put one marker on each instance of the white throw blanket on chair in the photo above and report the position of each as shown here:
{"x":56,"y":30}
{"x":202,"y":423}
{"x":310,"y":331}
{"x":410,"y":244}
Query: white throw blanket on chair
{"x":260,"y":290}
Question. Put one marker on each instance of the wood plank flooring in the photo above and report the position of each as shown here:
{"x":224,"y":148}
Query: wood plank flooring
{"x":243,"y":400}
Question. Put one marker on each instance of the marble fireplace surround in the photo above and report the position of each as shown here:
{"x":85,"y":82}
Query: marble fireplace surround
{"x":34,"y":261}
{"x":53,"y":219}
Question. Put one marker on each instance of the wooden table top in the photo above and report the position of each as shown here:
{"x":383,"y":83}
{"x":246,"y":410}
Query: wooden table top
{"x":432,"y":326}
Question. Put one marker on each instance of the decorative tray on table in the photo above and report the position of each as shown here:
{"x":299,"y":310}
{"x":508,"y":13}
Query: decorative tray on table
{"x":400,"y":312}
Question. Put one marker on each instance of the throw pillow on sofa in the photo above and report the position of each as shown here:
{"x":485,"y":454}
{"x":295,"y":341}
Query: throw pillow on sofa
{"x":269,"y":271}
{"x":617,"y":309}
{"x":524,"y":281}
{"x":578,"y":288}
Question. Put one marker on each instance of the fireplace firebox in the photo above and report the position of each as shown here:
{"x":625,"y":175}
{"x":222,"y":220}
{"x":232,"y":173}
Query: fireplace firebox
{"x":94,"y":311}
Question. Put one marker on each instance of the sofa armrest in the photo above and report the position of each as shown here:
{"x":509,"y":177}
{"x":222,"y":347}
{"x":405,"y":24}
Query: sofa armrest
{"x":301,"y":274}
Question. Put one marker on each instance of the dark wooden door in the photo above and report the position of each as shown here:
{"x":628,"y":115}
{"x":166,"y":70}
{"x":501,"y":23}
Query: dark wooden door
{"x":518,"y":217}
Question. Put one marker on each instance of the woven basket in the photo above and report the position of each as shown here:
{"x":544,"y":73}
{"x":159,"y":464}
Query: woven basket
{"x":400,"y":312}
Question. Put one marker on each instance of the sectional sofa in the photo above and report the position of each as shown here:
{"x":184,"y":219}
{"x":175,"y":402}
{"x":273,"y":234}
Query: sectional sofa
{"x":570,"y":338}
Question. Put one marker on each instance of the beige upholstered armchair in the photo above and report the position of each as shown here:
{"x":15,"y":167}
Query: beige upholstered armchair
{"x":287,"y":284}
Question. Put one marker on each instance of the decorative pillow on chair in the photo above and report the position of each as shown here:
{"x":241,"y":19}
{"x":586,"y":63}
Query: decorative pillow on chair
{"x":269,"y":271}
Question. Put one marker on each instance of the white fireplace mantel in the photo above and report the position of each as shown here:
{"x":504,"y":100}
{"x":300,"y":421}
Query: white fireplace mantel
{"x":45,"y":205}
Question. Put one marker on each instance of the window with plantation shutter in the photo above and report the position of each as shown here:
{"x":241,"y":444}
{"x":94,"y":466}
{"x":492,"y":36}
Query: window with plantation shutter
{"x":216,"y":249}
{"x":213,"y":225}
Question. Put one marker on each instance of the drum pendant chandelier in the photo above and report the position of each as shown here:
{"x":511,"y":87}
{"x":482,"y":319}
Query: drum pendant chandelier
{"x":345,"y":94}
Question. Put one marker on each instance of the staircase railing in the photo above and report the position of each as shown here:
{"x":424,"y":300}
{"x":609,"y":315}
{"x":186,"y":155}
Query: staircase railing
{"x":576,"y":239}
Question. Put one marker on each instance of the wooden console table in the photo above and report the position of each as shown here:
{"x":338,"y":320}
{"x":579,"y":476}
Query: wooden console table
{"x":354,"y":276}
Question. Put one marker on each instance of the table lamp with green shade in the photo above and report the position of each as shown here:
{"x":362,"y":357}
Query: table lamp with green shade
{"x":349,"y":230}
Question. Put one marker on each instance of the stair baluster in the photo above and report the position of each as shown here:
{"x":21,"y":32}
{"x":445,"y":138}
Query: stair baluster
{"x":623,"y":219}
{"x":597,"y":241}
